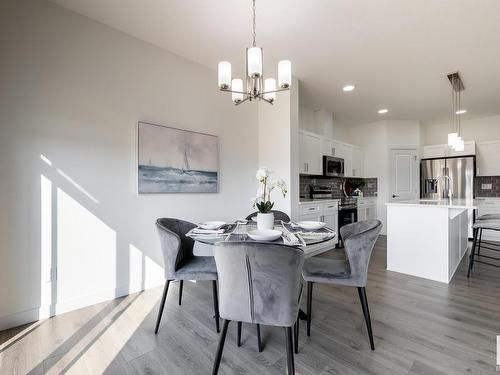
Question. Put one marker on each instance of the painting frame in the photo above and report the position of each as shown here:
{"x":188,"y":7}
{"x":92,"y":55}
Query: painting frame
{"x":188,"y":134}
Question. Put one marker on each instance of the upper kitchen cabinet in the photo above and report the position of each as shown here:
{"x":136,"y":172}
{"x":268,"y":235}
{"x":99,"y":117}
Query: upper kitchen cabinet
{"x":309,"y":154}
{"x":353,"y":161}
{"x":332,"y":147}
{"x":434,"y":151}
{"x":312,"y":147}
{"x":357,"y":162}
{"x":488,"y":156}
{"x":443,"y":151}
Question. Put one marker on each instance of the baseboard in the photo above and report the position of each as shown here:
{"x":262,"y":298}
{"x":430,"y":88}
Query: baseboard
{"x":19,"y":318}
{"x":44,"y":312}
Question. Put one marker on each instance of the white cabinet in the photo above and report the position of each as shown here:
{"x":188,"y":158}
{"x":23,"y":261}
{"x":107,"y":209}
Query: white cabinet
{"x":488,"y":158}
{"x":434,"y":151}
{"x":469,"y":149}
{"x":442,"y":151}
{"x":309,"y":155}
{"x":324,"y":211}
{"x":312,"y":147}
{"x":367,"y":208}
{"x":357,"y":162}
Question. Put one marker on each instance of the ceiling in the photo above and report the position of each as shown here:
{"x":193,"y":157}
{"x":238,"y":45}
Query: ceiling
{"x":396,"y":52}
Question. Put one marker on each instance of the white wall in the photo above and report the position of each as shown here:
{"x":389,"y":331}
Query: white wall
{"x":376,"y":139}
{"x":73,"y":90}
{"x":278,"y":145}
{"x":478,"y":129}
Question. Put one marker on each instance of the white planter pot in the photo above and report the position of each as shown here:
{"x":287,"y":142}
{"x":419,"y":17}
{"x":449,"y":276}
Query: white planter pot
{"x":265,"y":221}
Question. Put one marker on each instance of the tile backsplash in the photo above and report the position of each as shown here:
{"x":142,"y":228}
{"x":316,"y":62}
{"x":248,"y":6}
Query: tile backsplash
{"x":487,"y":182}
{"x":370,"y":188}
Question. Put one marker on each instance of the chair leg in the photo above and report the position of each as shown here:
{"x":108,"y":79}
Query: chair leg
{"x":366,"y":313}
{"x":471,"y":256}
{"x":162,"y":305}
{"x":289,"y":351}
{"x":296,"y":337}
{"x":309,"y":306}
{"x":259,"y":342}
{"x":479,"y":241}
{"x":181,"y":285}
{"x":220,"y":347}
{"x":239,"y":334}
{"x":216,"y":305}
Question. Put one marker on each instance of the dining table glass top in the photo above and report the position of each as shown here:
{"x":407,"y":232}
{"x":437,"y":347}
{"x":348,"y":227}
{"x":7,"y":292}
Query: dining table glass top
{"x":293,"y":235}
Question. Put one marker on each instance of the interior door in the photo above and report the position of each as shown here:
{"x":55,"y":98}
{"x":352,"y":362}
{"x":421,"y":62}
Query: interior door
{"x":404,"y":174}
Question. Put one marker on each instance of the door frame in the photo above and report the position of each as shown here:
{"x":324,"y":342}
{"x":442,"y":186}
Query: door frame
{"x":416,"y":181}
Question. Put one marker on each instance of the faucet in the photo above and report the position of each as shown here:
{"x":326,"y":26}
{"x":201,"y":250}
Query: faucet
{"x":450,"y":184}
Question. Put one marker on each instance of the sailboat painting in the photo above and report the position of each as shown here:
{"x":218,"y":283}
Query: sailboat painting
{"x":173,"y":160}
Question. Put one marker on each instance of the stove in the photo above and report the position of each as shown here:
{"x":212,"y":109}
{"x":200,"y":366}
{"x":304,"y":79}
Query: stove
{"x":321,"y":192}
{"x":348,"y":203}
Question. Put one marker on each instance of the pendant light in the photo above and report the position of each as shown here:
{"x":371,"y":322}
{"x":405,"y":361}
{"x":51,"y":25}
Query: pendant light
{"x":454,"y":139}
{"x":257,"y":88}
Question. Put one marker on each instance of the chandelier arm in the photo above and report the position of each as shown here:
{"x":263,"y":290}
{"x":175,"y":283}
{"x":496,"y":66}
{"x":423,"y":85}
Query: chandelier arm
{"x":267,"y":100}
{"x":241,"y":101}
{"x":278,"y":90}
{"x":235,"y":92}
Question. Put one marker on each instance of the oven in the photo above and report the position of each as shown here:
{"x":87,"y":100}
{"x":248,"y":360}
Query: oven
{"x":332,"y":166}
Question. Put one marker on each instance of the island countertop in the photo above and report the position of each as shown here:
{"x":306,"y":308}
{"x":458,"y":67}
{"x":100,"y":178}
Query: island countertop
{"x":444,"y":203}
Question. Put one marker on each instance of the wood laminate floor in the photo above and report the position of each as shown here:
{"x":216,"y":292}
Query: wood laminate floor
{"x":421,"y":327}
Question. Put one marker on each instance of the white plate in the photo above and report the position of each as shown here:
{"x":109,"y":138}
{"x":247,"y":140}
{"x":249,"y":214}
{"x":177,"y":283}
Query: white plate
{"x":311,"y":225}
{"x":264,"y":234}
{"x":211,"y":225}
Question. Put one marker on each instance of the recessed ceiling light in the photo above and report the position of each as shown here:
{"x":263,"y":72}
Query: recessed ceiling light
{"x":348,"y":88}
{"x":461,"y":111}
{"x":382,"y":111}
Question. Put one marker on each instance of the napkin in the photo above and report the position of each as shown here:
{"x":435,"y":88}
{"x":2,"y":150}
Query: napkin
{"x":290,"y":238}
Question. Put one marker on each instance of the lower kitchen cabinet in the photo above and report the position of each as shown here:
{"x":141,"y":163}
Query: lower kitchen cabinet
{"x":326,"y":212}
{"x":488,"y":206}
{"x":367,"y":208}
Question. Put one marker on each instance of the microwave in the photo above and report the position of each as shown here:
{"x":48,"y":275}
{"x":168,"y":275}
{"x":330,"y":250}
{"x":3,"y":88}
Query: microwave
{"x":332,"y":166}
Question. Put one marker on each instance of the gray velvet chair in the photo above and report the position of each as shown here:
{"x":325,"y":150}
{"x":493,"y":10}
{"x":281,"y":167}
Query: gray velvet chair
{"x":180,"y":263}
{"x":259,"y":283}
{"x":278,"y":215}
{"x":359,"y":239}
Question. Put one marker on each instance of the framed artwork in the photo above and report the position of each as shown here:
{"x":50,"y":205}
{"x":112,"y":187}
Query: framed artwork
{"x":173,"y":160}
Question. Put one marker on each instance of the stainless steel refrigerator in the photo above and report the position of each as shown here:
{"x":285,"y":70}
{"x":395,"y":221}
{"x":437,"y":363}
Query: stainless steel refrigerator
{"x":460,"y":171}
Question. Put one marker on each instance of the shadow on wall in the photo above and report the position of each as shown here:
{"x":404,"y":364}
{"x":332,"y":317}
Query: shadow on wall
{"x":83,"y":259}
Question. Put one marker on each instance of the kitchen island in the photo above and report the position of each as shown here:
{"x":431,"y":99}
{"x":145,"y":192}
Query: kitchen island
{"x":427,"y":238}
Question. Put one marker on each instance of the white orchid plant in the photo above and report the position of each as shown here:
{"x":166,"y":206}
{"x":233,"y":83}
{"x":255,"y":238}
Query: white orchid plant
{"x":263,"y":199}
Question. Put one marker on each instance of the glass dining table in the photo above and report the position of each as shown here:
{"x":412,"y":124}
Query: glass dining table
{"x":238,"y":231}
{"x":293,"y":235}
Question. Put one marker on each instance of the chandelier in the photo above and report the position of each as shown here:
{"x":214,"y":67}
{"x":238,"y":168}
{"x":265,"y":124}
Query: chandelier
{"x":257,"y":88}
{"x":454,"y":138}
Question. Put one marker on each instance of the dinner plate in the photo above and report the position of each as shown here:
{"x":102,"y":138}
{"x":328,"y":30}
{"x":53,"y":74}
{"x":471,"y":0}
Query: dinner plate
{"x":311,"y":225}
{"x":264,"y":234}
{"x":211,"y":225}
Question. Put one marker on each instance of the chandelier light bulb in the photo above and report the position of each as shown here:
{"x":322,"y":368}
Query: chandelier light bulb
{"x":224,"y":75}
{"x":270,"y":85}
{"x":237,"y":85}
{"x":254,"y":62}
{"x":285,"y":73}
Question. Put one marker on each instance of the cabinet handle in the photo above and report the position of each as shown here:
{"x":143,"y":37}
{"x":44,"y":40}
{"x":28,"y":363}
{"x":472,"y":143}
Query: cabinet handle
{"x":333,"y":151}
{"x":354,"y":172}
{"x":311,"y":209}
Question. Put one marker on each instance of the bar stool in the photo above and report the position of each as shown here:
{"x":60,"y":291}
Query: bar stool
{"x":484,"y":222}
{"x":485,"y":217}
